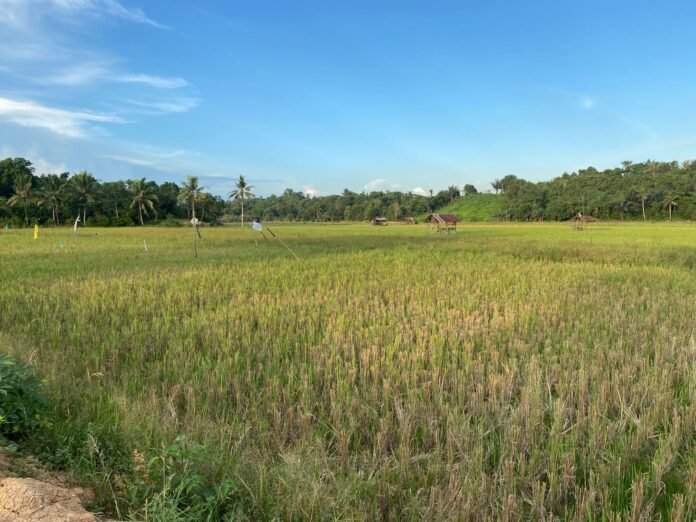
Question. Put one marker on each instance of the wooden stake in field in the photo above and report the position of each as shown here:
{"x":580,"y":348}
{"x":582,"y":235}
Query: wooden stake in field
{"x":74,"y":230}
{"x":196,"y":235}
{"x":256,"y":225}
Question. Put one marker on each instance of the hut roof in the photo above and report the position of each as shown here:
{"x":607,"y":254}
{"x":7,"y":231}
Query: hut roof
{"x":586,"y":219}
{"x":442,"y":218}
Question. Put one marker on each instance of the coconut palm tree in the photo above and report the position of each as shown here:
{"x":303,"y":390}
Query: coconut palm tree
{"x":670,"y":203}
{"x":52,"y":194}
{"x":22,"y":194}
{"x":242,"y":192}
{"x":85,"y":187}
{"x":144,"y":198}
{"x":189,"y":193}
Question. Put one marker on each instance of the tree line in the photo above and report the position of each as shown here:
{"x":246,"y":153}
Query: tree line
{"x":647,"y":191}
{"x":27,"y":198}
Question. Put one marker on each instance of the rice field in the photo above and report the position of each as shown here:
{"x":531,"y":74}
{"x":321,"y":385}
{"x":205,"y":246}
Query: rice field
{"x":505,"y":372}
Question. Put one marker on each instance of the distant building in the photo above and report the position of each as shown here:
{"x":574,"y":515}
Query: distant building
{"x":579,"y":221}
{"x":379,"y":221}
{"x":442,"y":222}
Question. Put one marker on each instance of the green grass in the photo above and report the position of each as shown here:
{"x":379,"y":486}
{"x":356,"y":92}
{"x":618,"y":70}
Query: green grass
{"x":475,"y":207}
{"x":508,"y":371}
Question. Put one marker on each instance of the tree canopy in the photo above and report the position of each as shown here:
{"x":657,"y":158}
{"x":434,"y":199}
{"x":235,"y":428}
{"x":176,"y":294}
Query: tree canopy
{"x":649,"y":190}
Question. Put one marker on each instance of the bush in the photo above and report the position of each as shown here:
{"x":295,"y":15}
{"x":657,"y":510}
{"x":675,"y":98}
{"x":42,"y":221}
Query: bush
{"x":170,"y":221}
{"x":173,"y":488}
{"x":22,"y":406}
{"x":122,"y":221}
{"x":99,"y":221}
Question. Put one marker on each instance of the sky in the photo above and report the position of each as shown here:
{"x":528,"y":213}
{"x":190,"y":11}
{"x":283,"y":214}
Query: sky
{"x":324,"y":95}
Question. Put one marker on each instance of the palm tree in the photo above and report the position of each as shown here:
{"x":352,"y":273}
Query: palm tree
{"x":453,"y":193}
{"x":205,"y":202}
{"x":85,"y":187}
{"x":189,"y":193}
{"x":52,"y":194}
{"x":497,"y":185}
{"x":670,"y":202}
{"x":143,"y":198}
{"x":22,"y":194}
{"x":643,"y":193}
{"x":242,"y":192}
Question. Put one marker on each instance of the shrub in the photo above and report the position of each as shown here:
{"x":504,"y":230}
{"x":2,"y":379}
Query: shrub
{"x":170,"y":221}
{"x":173,"y":487}
{"x":21,"y":403}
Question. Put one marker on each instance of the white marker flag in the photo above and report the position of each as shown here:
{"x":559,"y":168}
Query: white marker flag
{"x":257,"y":226}
{"x":75,"y":225}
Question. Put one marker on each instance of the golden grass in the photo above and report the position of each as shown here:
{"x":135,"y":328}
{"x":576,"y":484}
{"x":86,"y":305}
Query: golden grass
{"x":505,"y":372}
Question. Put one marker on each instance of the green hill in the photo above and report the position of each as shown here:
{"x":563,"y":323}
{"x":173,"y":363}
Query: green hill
{"x":475,"y":207}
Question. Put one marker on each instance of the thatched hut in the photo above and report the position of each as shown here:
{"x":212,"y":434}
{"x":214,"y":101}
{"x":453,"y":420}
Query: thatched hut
{"x":379,"y":221}
{"x":442,"y":222}
{"x":579,"y":221}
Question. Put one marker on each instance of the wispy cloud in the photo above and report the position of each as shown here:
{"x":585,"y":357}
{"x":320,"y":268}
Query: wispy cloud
{"x":87,"y":73}
{"x":151,"y":157}
{"x":381,"y":185}
{"x":75,"y":76}
{"x":420,"y":191}
{"x":152,"y":81}
{"x":114,"y":8}
{"x":130,"y":160}
{"x":64,"y":122}
{"x":22,"y":14}
{"x":175,"y":105}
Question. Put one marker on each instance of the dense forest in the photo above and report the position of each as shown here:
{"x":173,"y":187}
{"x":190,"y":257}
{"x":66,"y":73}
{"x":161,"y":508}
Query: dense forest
{"x":650,"y":190}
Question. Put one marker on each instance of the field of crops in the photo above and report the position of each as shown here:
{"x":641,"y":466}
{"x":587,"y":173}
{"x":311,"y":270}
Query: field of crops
{"x":504,"y":372}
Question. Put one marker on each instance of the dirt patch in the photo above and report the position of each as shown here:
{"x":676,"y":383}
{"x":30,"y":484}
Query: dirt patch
{"x":45,"y":497}
{"x":25,"y":500}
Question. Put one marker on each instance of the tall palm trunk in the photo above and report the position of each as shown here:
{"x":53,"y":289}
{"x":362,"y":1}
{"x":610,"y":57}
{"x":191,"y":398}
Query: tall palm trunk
{"x":140,"y":214}
{"x":26,"y":214}
{"x":642,"y":205}
{"x":242,"y":212}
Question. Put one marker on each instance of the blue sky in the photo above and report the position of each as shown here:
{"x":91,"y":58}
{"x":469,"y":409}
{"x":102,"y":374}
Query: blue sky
{"x":321,"y":96}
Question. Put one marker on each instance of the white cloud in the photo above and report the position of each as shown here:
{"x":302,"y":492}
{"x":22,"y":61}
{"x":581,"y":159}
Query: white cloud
{"x":46,"y":167}
{"x":183,"y":104}
{"x":152,"y":81}
{"x":377,"y":185}
{"x":420,"y":191}
{"x":84,"y":74}
{"x":75,"y":75}
{"x":73,"y":124}
{"x":114,"y":8}
{"x":130,"y":160}
{"x":310,"y":191}
{"x":152,"y":157}
{"x":22,"y":14}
